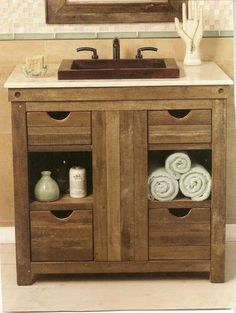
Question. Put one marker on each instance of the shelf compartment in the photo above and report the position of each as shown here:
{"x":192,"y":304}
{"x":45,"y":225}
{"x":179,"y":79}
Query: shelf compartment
{"x":63,"y":238}
{"x":64,"y":203}
{"x":52,"y":161}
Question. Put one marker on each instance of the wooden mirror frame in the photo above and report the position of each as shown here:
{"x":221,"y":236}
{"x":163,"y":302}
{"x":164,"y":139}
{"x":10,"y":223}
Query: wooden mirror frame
{"x":62,"y":12}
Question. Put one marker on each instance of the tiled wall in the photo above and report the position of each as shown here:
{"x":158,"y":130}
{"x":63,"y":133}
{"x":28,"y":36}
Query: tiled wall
{"x":28,"y":17}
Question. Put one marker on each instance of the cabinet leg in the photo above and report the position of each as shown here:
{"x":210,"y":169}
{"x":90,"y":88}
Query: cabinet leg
{"x":217,"y":276}
{"x":25,"y":277}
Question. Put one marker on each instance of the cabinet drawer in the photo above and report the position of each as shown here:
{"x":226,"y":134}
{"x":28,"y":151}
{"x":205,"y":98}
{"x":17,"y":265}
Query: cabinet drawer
{"x":68,"y":236}
{"x":179,"y":233}
{"x":179,"y":126}
{"x":59,"y":128}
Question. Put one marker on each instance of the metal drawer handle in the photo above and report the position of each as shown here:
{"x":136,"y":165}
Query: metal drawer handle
{"x":179,"y":212}
{"x":62,"y":214}
{"x":58,"y":115}
{"x":179,"y":113}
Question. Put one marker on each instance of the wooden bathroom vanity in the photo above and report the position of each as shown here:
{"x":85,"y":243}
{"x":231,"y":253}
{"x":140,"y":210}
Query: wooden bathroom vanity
{"x":113,"y":128}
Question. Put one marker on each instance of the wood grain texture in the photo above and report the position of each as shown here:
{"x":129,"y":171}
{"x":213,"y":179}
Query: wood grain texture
{"x":118,"y":105}
{"x":194,"y":117}
{"x":172,"y":237}
{"x":127,"y":185}
{"x":22,"y":219}
{"x":122,"y":267}
{"x":127,"y":236}
{"x":178,"y":203}
{"x":71,"y":238}
{"x":133,"y":162}
{"x":113,"y":185}
{"x":196,"y":215}
{"x":178,"y":146}
{"x":64,"y":203}
{"x":123,"y":144}
{"x":79,"y":119}
{"x":60,"y":12}
{"x":100,"y":186}
{"x":140,"y":179}
{"x":59,"y":136}
{"x":59,"y":148}
{"x":179,"y":252}
{"x":114,"y":93}
{"x":218,"y":191}
{"x":179,"y":134}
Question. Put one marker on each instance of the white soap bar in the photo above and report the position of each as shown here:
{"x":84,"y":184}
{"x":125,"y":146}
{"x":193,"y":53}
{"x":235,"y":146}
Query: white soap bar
{"x":34,"y":64}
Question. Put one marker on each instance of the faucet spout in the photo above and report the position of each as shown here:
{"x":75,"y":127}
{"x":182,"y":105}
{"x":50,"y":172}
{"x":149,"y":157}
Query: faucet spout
{"x":116,"y":49}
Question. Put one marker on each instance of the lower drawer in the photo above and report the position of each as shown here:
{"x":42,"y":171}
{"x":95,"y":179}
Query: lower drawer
{"x":179,"y":234}
{"x":61,"y":235}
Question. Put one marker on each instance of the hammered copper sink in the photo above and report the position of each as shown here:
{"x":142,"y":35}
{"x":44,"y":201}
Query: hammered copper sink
{"x":118,"y":69}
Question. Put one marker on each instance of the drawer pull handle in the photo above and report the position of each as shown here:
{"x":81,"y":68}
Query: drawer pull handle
{"x":179,"y":212}
{"x":62,"y":214}
{"x":59,"y":115}
{"x":179,"y":113}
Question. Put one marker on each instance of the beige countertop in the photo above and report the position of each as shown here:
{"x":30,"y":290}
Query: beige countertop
{"x":208,"y":73}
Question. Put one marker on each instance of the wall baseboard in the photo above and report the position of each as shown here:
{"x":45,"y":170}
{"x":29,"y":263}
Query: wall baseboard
{"x":7,"y":234}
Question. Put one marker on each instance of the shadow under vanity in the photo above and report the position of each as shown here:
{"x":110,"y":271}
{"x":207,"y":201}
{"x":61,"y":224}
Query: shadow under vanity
{"x":114,"y":129}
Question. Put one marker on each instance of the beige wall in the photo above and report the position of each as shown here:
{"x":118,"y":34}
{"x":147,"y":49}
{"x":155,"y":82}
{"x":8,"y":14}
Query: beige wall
{"x":12,"y":53}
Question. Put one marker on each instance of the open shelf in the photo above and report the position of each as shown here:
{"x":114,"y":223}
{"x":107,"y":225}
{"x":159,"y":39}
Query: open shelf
{"x":179,"y":203}
{"x":53,"y":161}
{"x":64,"y":203}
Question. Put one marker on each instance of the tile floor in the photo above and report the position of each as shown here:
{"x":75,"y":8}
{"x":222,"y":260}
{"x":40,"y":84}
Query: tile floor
{"x":83,"y":293}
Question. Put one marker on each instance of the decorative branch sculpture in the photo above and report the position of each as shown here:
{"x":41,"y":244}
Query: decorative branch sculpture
{"x":191,"y":32}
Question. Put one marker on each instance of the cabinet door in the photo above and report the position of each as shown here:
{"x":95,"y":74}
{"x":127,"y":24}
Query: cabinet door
{"x":120,"y":185}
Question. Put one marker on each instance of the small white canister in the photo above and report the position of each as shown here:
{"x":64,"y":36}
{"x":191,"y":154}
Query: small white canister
{"x":78,"y":182}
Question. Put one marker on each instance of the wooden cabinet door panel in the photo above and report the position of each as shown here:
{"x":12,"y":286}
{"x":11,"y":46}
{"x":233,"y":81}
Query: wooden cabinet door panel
{"x":119,"y":180}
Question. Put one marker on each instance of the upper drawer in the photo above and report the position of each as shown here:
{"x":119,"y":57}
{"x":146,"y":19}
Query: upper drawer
{"x":59,"y":128}
{"x":179,"y":126}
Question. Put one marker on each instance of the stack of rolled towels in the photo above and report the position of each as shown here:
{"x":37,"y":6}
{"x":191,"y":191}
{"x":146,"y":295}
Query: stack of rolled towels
{"x":179,"y":175}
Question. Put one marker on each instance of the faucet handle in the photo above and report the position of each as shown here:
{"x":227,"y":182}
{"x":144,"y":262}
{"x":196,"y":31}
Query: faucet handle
{"x":140,"y":50}
{"x":94,"y":51}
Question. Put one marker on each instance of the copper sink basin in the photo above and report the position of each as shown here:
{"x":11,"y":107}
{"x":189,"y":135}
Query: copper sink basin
{"x":118,"y":69}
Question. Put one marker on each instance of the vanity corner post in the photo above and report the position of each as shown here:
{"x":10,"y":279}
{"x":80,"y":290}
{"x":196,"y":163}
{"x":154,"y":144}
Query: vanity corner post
{"x":22,"y":218}
{"x":218,"y":212}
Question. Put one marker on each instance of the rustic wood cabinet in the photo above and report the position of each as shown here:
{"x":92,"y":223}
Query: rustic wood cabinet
{"x":114,"y":131}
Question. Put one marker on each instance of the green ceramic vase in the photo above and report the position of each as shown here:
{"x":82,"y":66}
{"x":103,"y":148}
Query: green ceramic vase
{"x":46,"y":188}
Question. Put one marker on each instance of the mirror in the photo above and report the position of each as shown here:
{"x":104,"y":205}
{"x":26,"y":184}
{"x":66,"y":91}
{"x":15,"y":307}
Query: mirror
{"x":111,"y":11}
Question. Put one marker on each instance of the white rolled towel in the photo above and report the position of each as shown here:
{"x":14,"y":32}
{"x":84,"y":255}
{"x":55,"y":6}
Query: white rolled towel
{"x":196,"y":184}
{"x":162,"y":186}
{"x":177,"y":164}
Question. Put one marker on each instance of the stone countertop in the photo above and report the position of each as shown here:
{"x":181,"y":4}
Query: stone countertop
{"x":208,"y":73}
